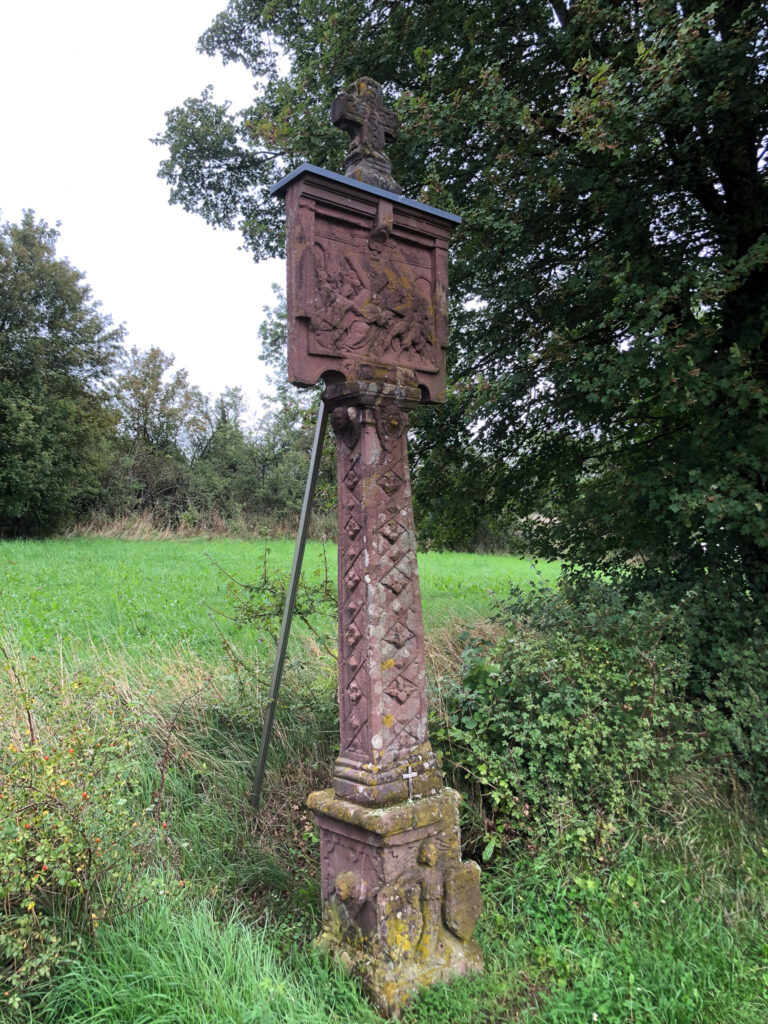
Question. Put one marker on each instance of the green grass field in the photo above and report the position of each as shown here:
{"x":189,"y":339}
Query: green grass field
{"x":670,"y":932}
{"x":131,"y":594}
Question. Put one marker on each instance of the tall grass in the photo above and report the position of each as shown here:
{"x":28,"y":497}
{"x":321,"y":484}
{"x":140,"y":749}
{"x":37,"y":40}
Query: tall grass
{"x":183,"y":964}
{"x":672,"y":931}
{"x":110,"y":594}
{"x":207,"y":525}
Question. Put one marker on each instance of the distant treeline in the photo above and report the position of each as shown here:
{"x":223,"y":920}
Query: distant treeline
{"x":94,"y":434}
{"x":90,"y":430}
{"x":188,"y":461}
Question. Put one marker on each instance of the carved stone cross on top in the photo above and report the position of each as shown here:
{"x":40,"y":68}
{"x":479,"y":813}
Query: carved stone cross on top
{"x":367,"y":313}
{"x":362,"y":113}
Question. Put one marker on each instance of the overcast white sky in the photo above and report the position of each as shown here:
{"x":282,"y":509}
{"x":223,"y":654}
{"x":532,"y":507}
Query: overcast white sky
{"x":84,"y":85}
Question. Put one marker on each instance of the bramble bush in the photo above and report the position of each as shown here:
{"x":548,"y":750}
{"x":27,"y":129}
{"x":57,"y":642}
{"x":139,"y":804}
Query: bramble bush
{"x":75,"y":836}
{"x":575,"y":714}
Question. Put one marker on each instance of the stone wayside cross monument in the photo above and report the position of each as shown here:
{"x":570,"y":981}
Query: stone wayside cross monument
{"x":367,"y":298}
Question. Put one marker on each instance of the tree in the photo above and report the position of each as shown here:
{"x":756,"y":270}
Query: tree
{"x":285,"y":433}
{"x":163,"y":423}
{"x":165,"y":413}
{"x":56,"y":353}
{"x":221,"y":469}
{"x":184,"y":458}
{"x":610,"y":276}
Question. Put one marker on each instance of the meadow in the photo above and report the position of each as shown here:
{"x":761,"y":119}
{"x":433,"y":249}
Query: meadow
{"x":130,"y":671}
{"x":123,"y":594}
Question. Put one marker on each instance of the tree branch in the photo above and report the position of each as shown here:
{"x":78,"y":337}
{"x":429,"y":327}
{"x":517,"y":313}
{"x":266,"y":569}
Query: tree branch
{"x":562,"y":12}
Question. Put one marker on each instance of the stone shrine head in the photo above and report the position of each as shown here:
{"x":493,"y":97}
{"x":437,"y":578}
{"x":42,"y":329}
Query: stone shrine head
{"x":367,"y":267}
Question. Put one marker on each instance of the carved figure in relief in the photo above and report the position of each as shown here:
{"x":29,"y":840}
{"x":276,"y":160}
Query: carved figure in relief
{"x":354,"y":872}
{"x":409,"y":908}
{"x":346,"y":425}
{"x":418,"y":910}
{"x":431,"y":897}
{"x":405,"y":319}
{"x":351,"y":891}
{"x":416,"y":329}
{"x":343,"y":290}
{"x":370,"y":304}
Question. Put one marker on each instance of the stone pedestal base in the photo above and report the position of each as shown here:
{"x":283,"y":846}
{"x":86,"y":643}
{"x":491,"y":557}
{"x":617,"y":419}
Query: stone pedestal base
{"x":399,"y":905}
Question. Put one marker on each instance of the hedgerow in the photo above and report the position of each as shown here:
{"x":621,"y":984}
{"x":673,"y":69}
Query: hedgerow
{"x":576,"y":715}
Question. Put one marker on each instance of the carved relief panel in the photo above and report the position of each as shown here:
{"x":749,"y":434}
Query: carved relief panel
{"x":367,"y":282}
{"x":373,"y":300}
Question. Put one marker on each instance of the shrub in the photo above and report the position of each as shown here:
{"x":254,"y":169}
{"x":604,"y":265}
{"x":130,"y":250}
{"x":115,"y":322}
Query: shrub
{"x":577,"y":707}
{"x":74,"y":839}
{"x":729,"y":661}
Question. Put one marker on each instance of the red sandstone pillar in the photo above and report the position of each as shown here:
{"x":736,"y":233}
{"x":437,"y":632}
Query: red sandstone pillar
{"x":367,"y":314}
{"x":385,"y":754}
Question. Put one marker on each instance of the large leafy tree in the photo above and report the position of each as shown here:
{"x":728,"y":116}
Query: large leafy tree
{"x":162,"y":421}
{"x":181,"y":457}
{"x":56,"y":353}
{"x":610,"y":275}
{"x":159,"y":409}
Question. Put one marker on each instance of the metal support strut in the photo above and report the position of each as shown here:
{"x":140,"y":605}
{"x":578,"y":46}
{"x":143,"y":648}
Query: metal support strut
{"x":290,"y":602}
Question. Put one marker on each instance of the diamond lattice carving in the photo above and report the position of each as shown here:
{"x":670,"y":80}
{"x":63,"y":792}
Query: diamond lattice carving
{"x":389,"y":482}
{"x":352,"y":633}
{"x":399,"y":635}
{"x":400,"y":689}
{"x":352,"y":527}
{"x":391,"y":531}
{"x":395,"y":580}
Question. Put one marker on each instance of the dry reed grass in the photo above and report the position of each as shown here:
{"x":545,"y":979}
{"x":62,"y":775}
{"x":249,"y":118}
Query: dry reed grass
{"x":150,"y":525}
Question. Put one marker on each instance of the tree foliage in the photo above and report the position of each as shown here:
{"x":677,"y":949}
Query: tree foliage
{"x":163,"y":422}
{"x":88,"y":427}
{"x":576,"y":711}
{"x":56,"y":353}
{"x":162,"y":412}
{"x":609,"y":279}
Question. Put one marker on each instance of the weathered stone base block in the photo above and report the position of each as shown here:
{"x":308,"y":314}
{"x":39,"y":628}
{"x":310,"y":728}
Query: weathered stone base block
{"x":399,"y":905}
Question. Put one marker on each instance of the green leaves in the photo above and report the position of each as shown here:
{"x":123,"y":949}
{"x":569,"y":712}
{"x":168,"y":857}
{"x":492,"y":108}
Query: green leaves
{"x":609,"y":280}
{"x":74,"y":837}
{"x":56,"y":351}
{"x":578,"y":702}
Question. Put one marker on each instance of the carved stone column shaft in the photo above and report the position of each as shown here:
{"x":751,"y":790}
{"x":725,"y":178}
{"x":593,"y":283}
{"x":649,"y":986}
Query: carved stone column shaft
{"x":385,"y":754}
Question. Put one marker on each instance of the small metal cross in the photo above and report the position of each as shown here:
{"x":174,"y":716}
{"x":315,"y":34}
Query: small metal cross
{"x":410,"y":775}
